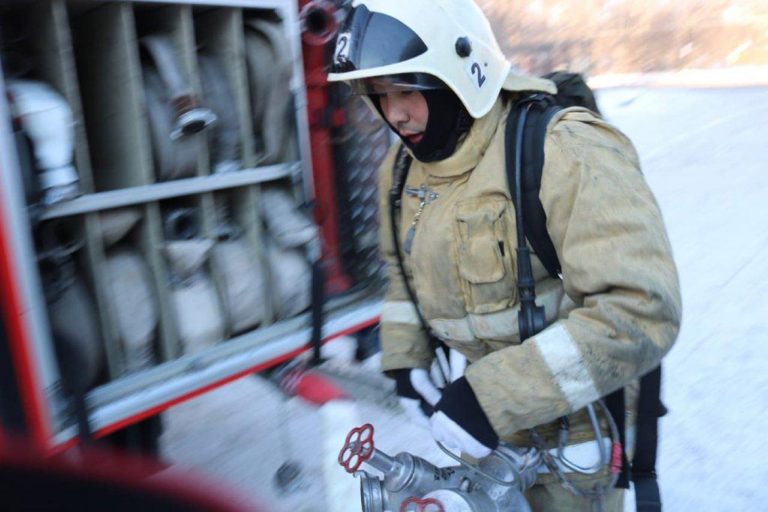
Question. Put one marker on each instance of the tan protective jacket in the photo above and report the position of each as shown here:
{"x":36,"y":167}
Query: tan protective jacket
{"x":613,"y":316}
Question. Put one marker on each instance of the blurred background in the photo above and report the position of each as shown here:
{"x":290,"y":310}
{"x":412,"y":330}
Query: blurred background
{"x":598,"y":37}
{"x":686,"y":80}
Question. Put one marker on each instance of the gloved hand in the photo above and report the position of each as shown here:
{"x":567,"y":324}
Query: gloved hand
{"x":460,"y":423}
{"x":417,"y":393}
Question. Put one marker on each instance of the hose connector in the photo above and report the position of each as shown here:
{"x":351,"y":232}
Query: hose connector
{"x":320,"y":22}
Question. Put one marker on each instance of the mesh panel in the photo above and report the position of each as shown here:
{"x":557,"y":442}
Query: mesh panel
{"x":359,"y":147}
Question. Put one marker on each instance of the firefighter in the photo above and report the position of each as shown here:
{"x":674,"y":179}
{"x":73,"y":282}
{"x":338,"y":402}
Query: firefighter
{"x":434,"y":72}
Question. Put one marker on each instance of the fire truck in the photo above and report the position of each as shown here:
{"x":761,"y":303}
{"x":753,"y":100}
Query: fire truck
{"x":184,"y":201}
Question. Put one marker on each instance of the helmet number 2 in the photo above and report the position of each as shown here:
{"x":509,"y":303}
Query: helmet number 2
{"x":342,"y":48}
{"x":476,"y":73}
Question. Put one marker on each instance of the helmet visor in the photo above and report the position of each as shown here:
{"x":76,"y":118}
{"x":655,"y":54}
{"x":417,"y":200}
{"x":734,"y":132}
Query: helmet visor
{"x":370,"y":40}
{"x":396,"y":83}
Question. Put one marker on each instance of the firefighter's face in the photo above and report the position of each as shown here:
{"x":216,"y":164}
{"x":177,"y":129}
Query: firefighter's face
{"x":406,"y":110}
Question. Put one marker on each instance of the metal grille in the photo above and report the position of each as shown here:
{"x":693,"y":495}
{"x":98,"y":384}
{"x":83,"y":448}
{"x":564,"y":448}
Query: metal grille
{"x":359,"y":147}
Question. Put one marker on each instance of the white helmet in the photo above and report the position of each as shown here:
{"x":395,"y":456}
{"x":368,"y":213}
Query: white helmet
{"x":416,"y":41}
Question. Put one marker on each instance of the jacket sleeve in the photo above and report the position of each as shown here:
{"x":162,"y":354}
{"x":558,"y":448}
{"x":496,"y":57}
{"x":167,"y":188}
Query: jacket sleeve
{"x":403,"y":341}
{"x":617,"y":267}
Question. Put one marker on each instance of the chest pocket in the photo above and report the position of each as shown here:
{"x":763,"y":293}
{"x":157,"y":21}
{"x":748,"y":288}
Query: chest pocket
{"x":486,"y":266}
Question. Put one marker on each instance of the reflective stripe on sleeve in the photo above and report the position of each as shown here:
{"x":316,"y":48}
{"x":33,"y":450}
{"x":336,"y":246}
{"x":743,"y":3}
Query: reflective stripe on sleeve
{"x":563,"y":358}
{"x":399,"y":312}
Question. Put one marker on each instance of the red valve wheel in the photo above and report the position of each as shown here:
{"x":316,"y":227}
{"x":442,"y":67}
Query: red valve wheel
{"x":357,"y":448}
{"x":421,"y":505}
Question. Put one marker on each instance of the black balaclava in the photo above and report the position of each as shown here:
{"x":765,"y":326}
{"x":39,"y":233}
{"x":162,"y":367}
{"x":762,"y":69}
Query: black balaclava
{"x":448,"y":120}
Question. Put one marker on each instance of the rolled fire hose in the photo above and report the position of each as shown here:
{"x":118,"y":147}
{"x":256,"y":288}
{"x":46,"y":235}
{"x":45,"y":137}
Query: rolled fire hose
{"x":258,"y":51}
{"x":265,"y":41}
{"x":133,"y":305}
{"x":199,"y":312}
{"x":74,"y":320}
{"x":115,"y":224}
{"x":186,"y":258}
{"x":47,"y":119}
{"x":175,"y":116}
{"x":224,"y":136}
{"x":243,"y":284}
{"x":285,"y":223}
{"x":125,"y":296}
{"x":199,"y":316}
{"x":71,"y":309}
{"x":291,"y":280}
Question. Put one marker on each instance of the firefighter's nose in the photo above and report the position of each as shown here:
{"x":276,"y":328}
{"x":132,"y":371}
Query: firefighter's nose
{"x":394,"y":109}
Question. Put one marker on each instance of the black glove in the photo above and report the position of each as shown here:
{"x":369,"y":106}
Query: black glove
{"x":460,"y":423}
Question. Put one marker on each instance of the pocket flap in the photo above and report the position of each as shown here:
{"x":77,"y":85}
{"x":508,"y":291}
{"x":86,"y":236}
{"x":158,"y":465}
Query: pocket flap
{"x":481,"y":238}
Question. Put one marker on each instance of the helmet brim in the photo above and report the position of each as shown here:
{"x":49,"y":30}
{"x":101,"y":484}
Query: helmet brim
{"x":404,"y":82}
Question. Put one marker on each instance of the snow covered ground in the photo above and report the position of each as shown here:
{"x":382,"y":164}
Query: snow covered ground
{"x":704,"y":152}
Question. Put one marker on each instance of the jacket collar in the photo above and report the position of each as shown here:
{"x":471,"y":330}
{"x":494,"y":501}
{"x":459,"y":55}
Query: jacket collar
{"x":469,"y":151}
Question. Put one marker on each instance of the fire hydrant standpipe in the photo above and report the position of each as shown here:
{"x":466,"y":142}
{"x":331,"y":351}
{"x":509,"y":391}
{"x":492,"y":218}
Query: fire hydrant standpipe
{"x":411,"y":483}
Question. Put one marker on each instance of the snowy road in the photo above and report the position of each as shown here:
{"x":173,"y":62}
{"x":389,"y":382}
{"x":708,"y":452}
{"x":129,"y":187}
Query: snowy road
{"x":704,"y":153}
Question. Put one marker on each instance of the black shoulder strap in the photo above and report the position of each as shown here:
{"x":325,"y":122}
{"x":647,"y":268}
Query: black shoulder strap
{"x":642,"y":471}
{"x":541,"y":112}
{"x":616,"y":404}
{"x":649,"y":410}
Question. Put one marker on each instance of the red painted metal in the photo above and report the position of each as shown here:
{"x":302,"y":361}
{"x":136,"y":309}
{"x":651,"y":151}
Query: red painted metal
{"x":321,"y":119}
{"x":200,"y":391}
{"x":310,"y":386}
{"x":71,"y":481}
{"x":422,"y":505}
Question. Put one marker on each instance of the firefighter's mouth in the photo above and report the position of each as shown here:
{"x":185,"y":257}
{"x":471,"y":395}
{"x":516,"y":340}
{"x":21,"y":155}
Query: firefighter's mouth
{"x":414,"y":139}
